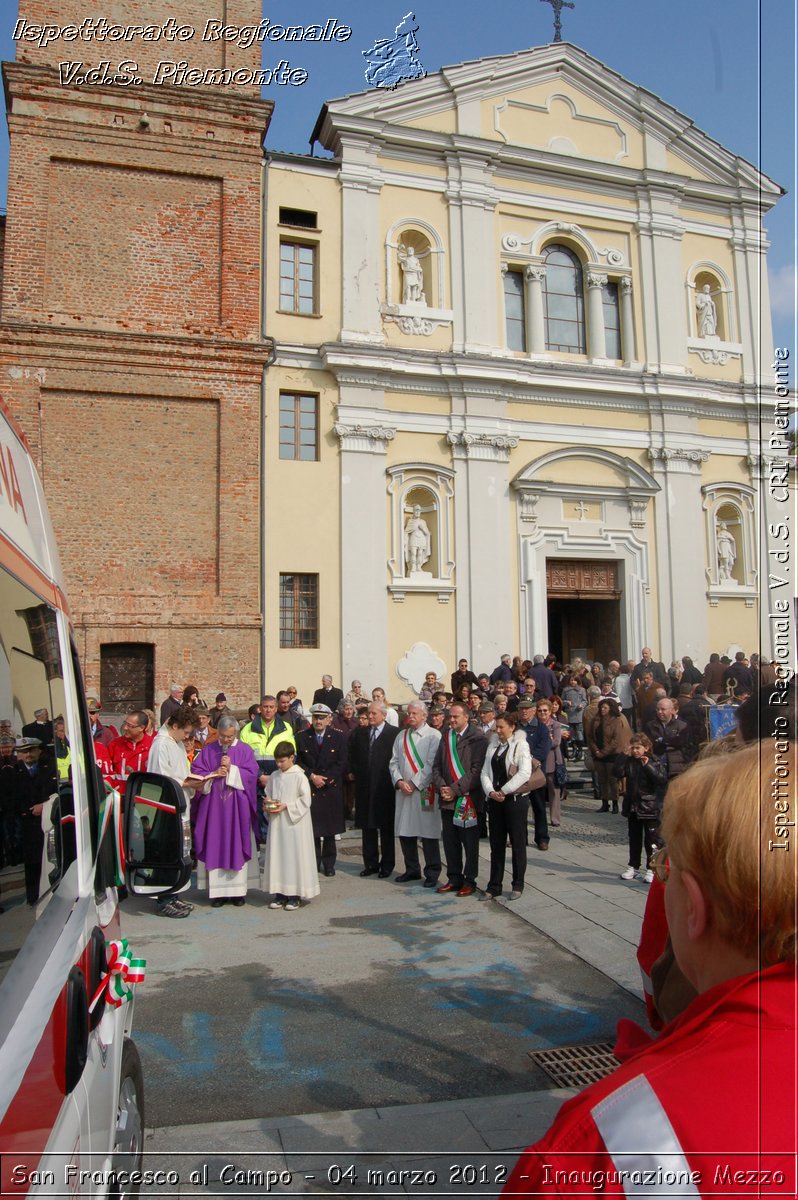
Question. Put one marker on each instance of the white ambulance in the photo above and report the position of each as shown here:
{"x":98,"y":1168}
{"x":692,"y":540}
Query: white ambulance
{"x":71,"y":1092}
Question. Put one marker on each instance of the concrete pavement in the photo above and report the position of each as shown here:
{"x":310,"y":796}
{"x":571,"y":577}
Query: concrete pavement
{"x":575,"y":897}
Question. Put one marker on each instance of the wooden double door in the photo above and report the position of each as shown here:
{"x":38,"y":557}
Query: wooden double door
{"x":583,"y":600}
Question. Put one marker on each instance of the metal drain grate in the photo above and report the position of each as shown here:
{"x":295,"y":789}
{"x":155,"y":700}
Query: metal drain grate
{"x":576,"y":1066}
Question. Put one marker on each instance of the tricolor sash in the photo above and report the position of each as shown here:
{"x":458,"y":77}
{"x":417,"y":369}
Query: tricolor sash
{"x":416,"y":762}
{"x":465,"y":814}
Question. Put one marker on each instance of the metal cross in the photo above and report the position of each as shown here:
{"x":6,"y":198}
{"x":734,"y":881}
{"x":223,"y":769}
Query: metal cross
{"x":558,"y":6}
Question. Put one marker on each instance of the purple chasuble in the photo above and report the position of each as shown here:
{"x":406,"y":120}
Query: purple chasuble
{"x":225,"y":819}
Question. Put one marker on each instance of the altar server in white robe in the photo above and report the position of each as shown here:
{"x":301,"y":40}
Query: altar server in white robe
{"x":290,"y":872}
{"x":417,"y":811}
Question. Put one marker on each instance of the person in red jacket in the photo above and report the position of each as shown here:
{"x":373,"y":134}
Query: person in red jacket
{"x":129,"y":752}
{"x":709,"y":1107}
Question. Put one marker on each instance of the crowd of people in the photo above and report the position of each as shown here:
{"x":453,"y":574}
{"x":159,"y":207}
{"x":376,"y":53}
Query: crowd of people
{"x":474,"y":759}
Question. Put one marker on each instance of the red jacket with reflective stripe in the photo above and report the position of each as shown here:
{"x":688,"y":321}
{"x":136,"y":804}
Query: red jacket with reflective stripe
{"x":713,"y":1097}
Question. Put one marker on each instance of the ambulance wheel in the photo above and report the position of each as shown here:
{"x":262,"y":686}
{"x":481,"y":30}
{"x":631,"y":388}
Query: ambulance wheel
{"x":129,"y":1134}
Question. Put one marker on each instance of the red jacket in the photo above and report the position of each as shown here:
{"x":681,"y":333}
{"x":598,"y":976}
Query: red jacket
{"x":127,"y":757}
{"x":712,"y":1100}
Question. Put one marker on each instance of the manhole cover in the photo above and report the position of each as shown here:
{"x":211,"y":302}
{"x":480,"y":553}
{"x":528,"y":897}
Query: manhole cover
{"x":576,"y":1066}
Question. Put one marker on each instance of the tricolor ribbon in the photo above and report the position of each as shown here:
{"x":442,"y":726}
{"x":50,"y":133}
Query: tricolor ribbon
{"x":111,"y":810}
{"x":465,"y":814}
{"x":412,"y":753}
{"x":123,"y":973}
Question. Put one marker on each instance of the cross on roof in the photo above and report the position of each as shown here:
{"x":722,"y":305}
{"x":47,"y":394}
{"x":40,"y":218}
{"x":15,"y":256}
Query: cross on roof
{"x":558,"y":6}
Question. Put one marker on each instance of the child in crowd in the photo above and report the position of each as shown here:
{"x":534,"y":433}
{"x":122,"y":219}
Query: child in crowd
{"x":290,"y":873}
{"x":646,"y":778}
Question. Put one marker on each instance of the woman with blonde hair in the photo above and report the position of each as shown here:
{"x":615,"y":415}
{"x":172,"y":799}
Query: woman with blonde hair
{"x":712,"y":1099}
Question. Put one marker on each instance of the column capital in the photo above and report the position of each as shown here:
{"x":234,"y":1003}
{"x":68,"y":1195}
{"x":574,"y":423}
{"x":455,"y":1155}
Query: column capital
{"x":495,"y":447}
{"x":364,"y":439}
{"x":595,"y":279}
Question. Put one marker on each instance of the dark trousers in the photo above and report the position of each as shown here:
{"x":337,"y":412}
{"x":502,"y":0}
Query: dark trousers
{"x":638,"y":831}
{"x":458,"y":842}
{"x":507,"y":818}
{"x":379,"y":850}
{"x":325,"y":853}
{"x":33,"y":873}
{"x":432,"y":856}
{"x":538,"y":799}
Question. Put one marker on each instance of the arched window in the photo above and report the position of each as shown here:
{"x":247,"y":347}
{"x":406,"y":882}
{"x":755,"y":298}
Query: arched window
{"x":564,"y":301}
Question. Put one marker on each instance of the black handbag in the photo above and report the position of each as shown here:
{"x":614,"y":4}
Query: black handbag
{"x":560,"y":775}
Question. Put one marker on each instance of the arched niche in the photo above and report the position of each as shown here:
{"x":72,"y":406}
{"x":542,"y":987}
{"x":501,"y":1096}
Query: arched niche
{"x":420,"y":496}
{"x":730,"y":515}
{"x":418,"y":237}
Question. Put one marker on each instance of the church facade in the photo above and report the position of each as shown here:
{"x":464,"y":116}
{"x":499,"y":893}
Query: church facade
{"x":522,"y":335}
{"x":486,"y":378}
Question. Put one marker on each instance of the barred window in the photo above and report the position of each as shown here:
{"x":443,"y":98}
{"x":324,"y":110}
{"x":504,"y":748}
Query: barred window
{"x":297,"y":278}
{"x":299,"y":427}
{"x":299,"y":612}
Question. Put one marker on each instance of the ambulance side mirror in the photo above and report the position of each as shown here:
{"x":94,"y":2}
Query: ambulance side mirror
{"x":157,"y":835}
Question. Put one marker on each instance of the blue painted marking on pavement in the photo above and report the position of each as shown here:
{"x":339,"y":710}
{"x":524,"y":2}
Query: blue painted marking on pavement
{"x":198,"y":1053}
{"x":263,"y":1040}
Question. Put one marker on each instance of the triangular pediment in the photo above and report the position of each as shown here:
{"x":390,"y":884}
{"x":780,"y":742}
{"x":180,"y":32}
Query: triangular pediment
{"x":552,"y":100}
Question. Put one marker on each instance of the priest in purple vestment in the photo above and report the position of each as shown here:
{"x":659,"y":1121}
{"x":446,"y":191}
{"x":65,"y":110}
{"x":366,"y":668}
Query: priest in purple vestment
{"x":224,"y":813}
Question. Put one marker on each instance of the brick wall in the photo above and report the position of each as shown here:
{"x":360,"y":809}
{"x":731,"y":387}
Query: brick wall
{"x":130,"y":346}
{"x":193,"y":14}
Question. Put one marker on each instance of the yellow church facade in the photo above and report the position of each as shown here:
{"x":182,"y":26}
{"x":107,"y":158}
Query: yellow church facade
{"x":521,"y":339}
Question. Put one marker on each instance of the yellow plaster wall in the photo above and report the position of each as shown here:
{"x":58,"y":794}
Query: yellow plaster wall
{"x":579,"y":417}
{"x":440,"y":122}
{"x":697,"y":248}
{"x":539,"y":113}
{"x":720,"y":427}
{"x":731,"y":370}
{"x":732,"y":624}
{"x":409,"y":402}
{"x":680,"y":166}
{"x":306,"y":189}
{"x":419,"y":618}
{"x":419,"y":447}
{"x":427,"y":167}
{"x":723,"y":468}
{"x":301,"y":482}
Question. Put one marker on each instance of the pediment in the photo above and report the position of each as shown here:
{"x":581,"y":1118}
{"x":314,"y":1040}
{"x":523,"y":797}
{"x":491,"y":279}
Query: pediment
{"x":556,"y":100}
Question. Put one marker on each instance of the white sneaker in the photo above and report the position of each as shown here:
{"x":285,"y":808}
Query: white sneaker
{"x":647,"y":876}
{"x":276,"y":904}
{"x":629,"y":873}
{"x":291,"y":905}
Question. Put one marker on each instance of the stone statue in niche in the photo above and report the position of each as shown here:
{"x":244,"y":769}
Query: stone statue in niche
{"x":418,"y":543}
{"x":412,"y":276}
{"x":707,"y":313}
{"x":726,"y":551}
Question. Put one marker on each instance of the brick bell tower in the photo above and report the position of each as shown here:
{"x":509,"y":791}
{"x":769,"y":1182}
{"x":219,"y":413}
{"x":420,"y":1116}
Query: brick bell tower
{"x":131,"y":349}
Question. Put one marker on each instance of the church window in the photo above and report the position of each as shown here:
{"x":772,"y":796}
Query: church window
{"x":299,"y":612}
{"x":612,"y":319}
{"x":298,"y":274}
{"x":514,"y":309}
{"x":563,"y":301}
{"x":299,"y":427}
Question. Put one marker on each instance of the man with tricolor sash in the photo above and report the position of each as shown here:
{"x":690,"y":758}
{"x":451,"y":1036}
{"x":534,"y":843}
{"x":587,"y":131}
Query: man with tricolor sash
{"x":456,"y":776}
{"x":417,"y":813}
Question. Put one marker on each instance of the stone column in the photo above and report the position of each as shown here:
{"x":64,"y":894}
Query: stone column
{"x":361,"y":245}
{"x":681,"y":555}
{"x":364,"y":550}
{"x":535,"y":320}
{"x":483,"y":541}
{"x":627,"y":321}
{"x":596,"y":340}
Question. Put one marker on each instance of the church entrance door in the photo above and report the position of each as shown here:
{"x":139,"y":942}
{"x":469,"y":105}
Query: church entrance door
{"x":583,"y":601}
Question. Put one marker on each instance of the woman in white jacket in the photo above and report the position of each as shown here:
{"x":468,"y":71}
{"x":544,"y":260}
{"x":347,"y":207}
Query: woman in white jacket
{"x":505,"y":774}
